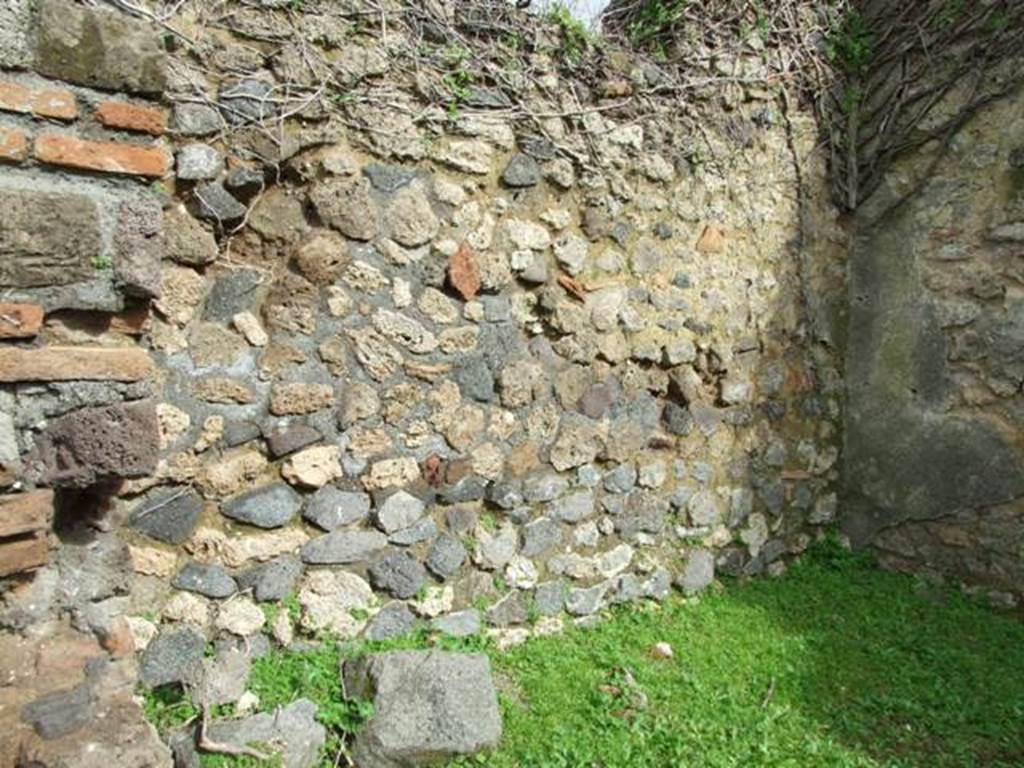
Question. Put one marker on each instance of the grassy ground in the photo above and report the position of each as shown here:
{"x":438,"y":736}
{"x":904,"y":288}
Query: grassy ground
{"x":835,"y":665}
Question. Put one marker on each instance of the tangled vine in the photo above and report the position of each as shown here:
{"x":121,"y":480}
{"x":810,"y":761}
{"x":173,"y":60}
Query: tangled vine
{"x":884,"y":77}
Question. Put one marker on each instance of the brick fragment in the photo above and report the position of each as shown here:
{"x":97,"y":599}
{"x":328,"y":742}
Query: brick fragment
{"x":106,"y":156}
{"x":74,"y":364}
{"x":55,"y":103}
{"x":712,"y":240}
{"x":13,"y":145}
{"x":20,"y":321}
{"x":132,"y":117}
{"x":23,"y":513}
{"x":21,"y":555}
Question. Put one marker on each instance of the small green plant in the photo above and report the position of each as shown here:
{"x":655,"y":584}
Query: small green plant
{"x":655,"y":22}
{"x":849,"y":47}
{"x":488,"y":522}
{"x":168,"y":707}
{"x":102,"y":261}
{"x":575,"y":37}
{"x":458,"y":80}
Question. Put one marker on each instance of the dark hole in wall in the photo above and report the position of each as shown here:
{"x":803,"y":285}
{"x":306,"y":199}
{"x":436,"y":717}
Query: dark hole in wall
{"x":79,"y":513}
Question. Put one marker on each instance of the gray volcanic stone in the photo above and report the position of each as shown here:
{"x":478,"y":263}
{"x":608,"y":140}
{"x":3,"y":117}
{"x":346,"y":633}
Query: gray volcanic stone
{"x":549,"y":598}
{"x":544,"y":487}
{"x":429,"y":706}
{"x":394,"y":620}
{"x":584,"y":602}
{"x":459,"y":624}
{"x":505,"y":495}
{"x":290,"y":438}
{"x":224,"y":676}
{"x":511,"y":609}
{"x":169,"y":516}
{"x":198,"y":161}
{"x":540,"y":536}
{"x":194,"y":119}
{"x":232,"y":292}
{"x":698,"y":573}
{"x":272,"y":581}
{"x":575,"y":507}
{"x":678,"y":419}
{"x":268,"y":507}
{"x":446,"y":556}
{"x":423,"y":529}
{"x":476,"y":380}
{"x":400,"y":510}
{"x":217,"y":204}
{"x":206,"y":579}
{"x":172,"y":657}
{"x":342,"y":547}
{"x":331,"y":508}
{"x":139,"y":247}
{"x":58,"y":714}
{"x":389,"y":178}
{"x":461,"y":520}
{"x":293,"y":731}
{"x":465,"y":490}
{"x":521,"y":171}
{"x":239,"y":432}
{"x":247,"y":100}
{"x":399,"y":574}
{"x":622,"y":479}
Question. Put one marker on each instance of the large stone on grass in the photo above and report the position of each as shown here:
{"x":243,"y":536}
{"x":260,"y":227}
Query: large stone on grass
{"x":429,"y":707}
{"x":94,"y":444}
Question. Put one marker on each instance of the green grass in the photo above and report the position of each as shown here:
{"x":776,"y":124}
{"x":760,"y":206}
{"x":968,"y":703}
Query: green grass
{"x":835,"y":665}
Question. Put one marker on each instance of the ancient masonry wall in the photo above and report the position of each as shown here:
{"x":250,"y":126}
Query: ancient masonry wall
{"x":395,"y":361}
{"x":934,"y":452}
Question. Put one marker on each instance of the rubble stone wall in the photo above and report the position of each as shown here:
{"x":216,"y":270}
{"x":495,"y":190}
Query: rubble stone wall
{"x":288,"y":320}
{"x":934,"y":453}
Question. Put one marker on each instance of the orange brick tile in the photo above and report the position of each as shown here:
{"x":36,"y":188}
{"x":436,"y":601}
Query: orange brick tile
{"x":46,"y":102}
{"x":106,"y":156}
{"x":13,"y":145}
{"x":132,"y":117}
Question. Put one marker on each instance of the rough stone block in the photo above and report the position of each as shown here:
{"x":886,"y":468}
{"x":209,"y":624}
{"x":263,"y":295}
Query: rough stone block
{"x":104,"y":156}
{"x":47,"y":238}
{"x":93,"y":444}
{"x":15,"y":21}
{"x":429,"y":706}
{"x":99,"y":48}
{"x":74,"y":364}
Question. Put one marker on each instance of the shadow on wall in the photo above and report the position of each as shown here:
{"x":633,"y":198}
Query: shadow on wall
{"x":934,"y":461}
